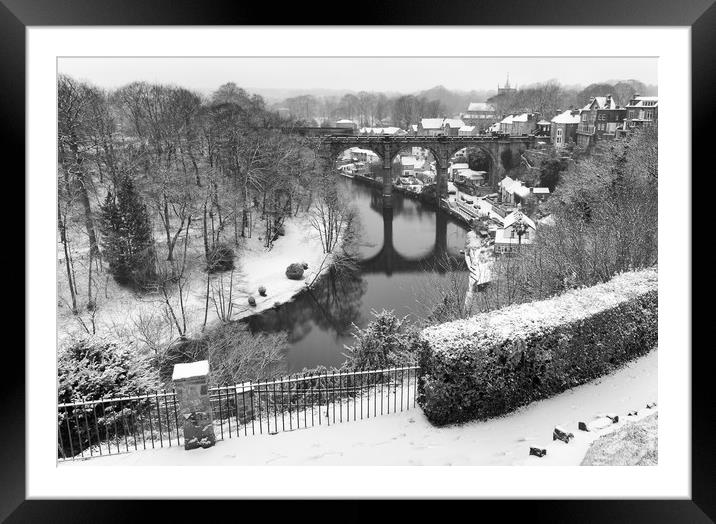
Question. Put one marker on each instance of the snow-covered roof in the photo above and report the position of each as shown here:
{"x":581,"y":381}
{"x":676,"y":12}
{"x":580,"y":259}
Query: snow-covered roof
{"x":459,"y":165}
{"x":506,"y":182}
{"x":547,"y":221}
{"x":494,"y":127}
{"x":480,"y":106}
{"x":467,"y":129}
{"x":524,"y":117}
{"x":414,"y":127}
{"x":542,"y":190}
{"x":344,"y":121}
{"x":601,"y":102}
{"x":517,"y":214}
{"x":453,"y":122}
{"x":568,"y":117}
{"x":544,"y":123}
{"x":407,"y":160}
{"x":360,"y":150}
{"x":507,"y":120}
{"x":469,"y":173}
{"x":431,"y":123}
{"x":644,"y":101}
{"x":199,"y":368}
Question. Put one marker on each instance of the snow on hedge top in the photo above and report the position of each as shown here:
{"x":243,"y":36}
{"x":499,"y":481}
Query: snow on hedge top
{"x":522,"y":320}
{"x":199,"y":368}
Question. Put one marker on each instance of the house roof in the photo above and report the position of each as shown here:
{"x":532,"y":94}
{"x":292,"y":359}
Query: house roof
{"x":512,"y":218}
{"x":640,"y":101}
{"x":473,"y":174}
{"x":544,"y":123}
{"x":480,"y":106}
{"x":431,"y":123}
{"x":601,"y":102}
{"x":360,"y":150}
{"x":460,"y":165}
{"x":507,"y":120}
{"x":524,"y":117}
{"x":514,"y":186}
{"x":467,"y":129}
{"x":453,"y":122}
{"x":542,"y":190}
{"x":568,"y":117}
{"x":344,"y":121}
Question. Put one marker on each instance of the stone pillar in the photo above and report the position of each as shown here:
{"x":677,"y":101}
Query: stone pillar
{"x":387,"y":186}
{"x":441,"y":186}
{"x":192,"y":395}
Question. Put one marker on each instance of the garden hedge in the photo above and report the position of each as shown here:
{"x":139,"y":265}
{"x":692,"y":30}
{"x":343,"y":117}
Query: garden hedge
{"x":492,"y":363}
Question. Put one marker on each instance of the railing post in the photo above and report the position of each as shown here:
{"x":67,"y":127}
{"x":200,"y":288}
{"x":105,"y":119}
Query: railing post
{"x":192,"y":394}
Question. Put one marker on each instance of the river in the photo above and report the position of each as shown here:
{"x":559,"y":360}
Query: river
{"x":403,"y":256}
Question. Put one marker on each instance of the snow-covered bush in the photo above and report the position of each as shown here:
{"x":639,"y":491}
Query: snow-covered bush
{"x":92,"y":368}
{"x":387,"y":341}
{"x":294,"y":271}
{"x":494,"y":362}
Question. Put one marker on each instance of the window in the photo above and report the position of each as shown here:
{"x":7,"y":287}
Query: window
{"x":559,"y":136}
{"x":602,"y":117}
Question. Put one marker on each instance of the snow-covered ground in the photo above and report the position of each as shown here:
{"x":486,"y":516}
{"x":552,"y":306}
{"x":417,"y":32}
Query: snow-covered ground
{"x":120,"y":310}
{"x":407,"y":438}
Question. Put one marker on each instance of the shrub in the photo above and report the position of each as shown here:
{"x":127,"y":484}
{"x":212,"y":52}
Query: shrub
{"x":304,"y":265}
{"x":93,"y":368}
{"x":262,"y":291}
{"x":221,"y":258}
{"x":294,"y":271}
{"x":387,"y":341}
{"x":492,"y":363}
{"x":252,"y":301}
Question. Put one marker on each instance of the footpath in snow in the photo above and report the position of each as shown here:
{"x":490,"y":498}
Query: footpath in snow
{"x":407,"y":438}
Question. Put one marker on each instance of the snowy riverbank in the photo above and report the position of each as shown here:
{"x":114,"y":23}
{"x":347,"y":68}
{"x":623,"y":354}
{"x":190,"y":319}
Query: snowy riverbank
{"x":121,"y":313}
{"x":407,"y":438}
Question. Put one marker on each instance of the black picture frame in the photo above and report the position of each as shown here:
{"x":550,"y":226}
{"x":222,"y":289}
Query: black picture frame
{"x":700,"y":15}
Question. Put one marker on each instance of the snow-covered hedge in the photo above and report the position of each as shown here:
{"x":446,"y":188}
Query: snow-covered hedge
{"x":494,"y":362}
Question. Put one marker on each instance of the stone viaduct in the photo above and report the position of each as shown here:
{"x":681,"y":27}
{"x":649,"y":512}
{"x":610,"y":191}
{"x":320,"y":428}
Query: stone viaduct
{"x":500,"y":150}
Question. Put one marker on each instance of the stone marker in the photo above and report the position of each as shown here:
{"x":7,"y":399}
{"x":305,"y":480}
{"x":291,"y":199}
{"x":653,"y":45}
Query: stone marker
{"x":538,"y":451}
{"x":192,"y":395}
{"x":596,"y":424}
{"x":651,"y":405}
{"x":560,"y":433}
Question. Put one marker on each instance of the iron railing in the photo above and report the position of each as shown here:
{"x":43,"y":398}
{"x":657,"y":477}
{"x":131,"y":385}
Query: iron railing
{"x":119,"y":425}
{"x":311,"y":399}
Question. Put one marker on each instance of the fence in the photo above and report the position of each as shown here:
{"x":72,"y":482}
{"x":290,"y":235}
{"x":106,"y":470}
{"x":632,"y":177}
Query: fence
{"x":115,"y":425}
{"x":119,"y":425}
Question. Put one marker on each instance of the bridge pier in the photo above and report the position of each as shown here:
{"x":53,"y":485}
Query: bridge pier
{"x":387,"y":187}
{"x":441,"y":186}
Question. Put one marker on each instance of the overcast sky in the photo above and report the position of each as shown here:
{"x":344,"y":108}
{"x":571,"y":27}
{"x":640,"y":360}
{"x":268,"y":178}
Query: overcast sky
{"x":403,"y":74}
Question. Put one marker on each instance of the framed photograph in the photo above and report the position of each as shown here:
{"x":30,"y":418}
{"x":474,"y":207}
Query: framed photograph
{"x":425,"y":246}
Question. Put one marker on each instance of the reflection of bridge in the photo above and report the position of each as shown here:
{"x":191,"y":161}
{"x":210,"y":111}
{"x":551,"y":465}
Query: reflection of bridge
{"x":503,"y":153}
{"x":388,"y":260}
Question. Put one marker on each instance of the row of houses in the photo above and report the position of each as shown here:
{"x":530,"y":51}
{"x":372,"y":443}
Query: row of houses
{"x":601,"y":118}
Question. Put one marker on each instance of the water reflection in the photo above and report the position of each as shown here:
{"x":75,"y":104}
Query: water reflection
{"x":319,"y":322}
